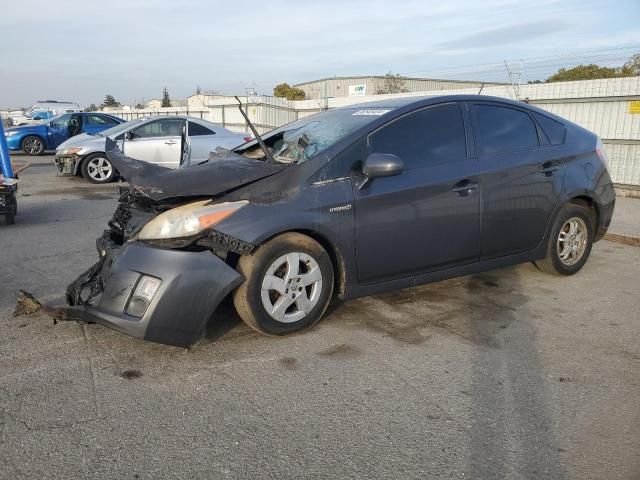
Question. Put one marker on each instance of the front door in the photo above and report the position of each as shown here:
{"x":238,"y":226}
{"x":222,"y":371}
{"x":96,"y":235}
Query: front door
{"x":521,"y":180}
{"x":428,"y":217}
{"x":159,"y":142}
{"x":58,"y":130}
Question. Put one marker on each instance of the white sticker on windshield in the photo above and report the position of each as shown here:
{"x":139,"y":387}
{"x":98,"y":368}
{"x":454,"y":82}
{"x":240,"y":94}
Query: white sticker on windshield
{"x":372,"y":111}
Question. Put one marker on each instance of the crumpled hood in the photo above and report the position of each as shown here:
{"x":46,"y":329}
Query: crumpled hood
{"x":223,"y":173}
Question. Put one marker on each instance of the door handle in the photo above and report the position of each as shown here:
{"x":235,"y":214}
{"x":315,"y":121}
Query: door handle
{"x":464,"y":187}
{"x":548,"y":168}
{"x":170,"y":142}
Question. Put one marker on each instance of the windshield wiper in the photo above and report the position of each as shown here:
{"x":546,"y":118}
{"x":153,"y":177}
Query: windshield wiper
{"x":267,"y":152}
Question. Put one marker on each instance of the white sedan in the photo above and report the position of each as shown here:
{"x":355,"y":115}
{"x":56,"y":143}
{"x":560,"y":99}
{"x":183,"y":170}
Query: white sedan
{"x":173,"y":141}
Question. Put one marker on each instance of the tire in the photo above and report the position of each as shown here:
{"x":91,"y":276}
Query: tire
{"x":568,"y":256}
{"x":96,"y":168}
{"x":269,"y":266}
{"x":32,"y":145}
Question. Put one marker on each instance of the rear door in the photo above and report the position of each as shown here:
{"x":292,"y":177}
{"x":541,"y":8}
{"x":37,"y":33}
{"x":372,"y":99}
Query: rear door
{"x":94,"y":123}
{"x":521,"y":178}
{"x":159,"y":141}
{"x":428,"y":217}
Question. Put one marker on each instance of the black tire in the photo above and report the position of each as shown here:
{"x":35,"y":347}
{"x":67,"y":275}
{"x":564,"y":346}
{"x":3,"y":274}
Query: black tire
{"x":553,"y":264}
{"x":248,"y":298}
{"x":32,"y":145}
{"x":88,"y":165}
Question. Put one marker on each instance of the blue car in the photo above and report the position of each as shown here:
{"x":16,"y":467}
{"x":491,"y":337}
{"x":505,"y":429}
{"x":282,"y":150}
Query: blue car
{"x":37,"y":138}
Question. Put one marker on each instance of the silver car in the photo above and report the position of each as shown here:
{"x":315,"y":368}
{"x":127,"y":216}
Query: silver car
{"x":174,"y":141}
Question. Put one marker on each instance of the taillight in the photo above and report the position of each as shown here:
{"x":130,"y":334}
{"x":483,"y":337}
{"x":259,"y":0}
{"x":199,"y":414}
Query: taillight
{"x":601,"y":153}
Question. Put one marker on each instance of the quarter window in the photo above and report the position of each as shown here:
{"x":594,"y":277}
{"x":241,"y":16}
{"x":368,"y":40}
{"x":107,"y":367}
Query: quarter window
{"x":503,"y":129}
{"x":431,"y":136}
{"x":552,"y":129}
{"x":195,"y":129}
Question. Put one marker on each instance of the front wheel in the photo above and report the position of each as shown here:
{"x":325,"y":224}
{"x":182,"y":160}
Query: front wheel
{"x":97,"y":168}
{"x":33,"y":145}
{"x":570,"y":241}
{"x":288,"y":286}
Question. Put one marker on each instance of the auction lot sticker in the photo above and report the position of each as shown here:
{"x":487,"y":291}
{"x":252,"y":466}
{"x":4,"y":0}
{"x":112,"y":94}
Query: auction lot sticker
{"x":634,"y":106}
{"x":372,"y":111}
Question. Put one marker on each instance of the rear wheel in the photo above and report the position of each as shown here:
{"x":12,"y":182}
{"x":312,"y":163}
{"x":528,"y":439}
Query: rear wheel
{"x":97,"y":168}
{"x":32,"y":145}
{"x":570,"y":241}
{"x":288,"y":286}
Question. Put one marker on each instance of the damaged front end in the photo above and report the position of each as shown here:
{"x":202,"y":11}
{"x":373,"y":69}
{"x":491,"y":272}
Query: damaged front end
{"x":155,"y":285}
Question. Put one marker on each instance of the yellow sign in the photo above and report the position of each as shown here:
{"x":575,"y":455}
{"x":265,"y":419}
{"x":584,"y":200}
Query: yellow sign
{"x":634,"y":106}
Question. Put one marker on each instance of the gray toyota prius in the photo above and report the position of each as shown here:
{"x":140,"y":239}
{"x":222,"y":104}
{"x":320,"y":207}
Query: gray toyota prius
{"x":348,"y":202}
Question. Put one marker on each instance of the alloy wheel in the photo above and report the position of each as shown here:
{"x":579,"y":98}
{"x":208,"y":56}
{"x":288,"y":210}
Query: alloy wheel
{"x":99,"y":169}
{"x":572,"y":241}
{"x":291,"y":287}
{"x":33,"y":146}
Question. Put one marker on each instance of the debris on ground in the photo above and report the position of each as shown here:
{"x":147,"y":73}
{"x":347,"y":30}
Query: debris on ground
{"x":130,"y":374}
{"x":27,"y":304}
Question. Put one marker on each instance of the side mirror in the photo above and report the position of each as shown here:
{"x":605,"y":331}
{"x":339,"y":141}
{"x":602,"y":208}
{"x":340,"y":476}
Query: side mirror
{"x":38,"y":117}
{"x":128,"y":135}
{"x":381,"y":165}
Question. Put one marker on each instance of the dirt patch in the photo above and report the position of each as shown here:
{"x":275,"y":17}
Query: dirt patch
{"x":289,"y":363}
{"x":342,"y":351}
{"x":27,"y":304}
{"x":130,"y":374}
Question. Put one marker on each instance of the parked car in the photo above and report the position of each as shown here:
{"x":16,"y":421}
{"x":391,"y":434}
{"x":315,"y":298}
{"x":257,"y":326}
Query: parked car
{"x":170,"y":141}
{"x":43,"y":110}
{"x":47,"y":135}
{"x":348,"y":202}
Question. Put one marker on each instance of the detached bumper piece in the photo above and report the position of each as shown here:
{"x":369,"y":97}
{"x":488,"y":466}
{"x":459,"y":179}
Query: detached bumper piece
{"x":162,"y":295}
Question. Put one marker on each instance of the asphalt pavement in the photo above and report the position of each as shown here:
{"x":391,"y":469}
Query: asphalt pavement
{"x":508,"y":374}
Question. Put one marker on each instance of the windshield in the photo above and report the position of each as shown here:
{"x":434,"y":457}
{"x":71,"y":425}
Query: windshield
{"x":303,"y":139}
{"x":123,"y":127}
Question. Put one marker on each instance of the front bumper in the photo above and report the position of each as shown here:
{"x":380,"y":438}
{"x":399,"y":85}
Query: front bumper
{"x":66,"y":164}
{"x":14,"y":142}
{"x":193,"y":285}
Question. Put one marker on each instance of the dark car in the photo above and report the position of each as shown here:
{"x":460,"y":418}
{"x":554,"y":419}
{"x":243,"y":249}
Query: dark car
{"x":347,"y":202}
{"x":36,"y":138}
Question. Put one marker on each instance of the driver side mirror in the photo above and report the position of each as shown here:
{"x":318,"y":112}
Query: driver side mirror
{"x":380,"y":165}
{"x":128,"y":135}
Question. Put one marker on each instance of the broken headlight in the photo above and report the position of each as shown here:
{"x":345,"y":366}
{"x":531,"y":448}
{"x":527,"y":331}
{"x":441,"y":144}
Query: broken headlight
{"x":188,"y":220}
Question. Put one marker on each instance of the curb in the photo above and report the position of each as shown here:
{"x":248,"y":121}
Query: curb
{"x":624,"y":239}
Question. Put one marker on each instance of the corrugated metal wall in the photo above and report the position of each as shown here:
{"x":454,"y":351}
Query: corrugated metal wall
{"x":601,"y":106}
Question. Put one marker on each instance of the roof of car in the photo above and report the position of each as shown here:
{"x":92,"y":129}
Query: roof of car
{"x":406,"y":101}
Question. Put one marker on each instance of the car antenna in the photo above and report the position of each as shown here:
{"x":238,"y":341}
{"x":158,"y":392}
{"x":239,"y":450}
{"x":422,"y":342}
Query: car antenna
{"x":266,"y":151}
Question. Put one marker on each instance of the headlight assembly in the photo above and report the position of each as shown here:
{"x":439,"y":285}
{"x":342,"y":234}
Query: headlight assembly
{"x":69,"y":151}
{"x":10,"y":133}
{"x":188,"y":220}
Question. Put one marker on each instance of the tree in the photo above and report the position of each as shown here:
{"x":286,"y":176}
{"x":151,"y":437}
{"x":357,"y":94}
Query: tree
{"x":393,"y":83}
{"x":633,"y":65}
{"x":109,"y":101}
{"x":139,"y":106}
{"x":198,"y":91}
{"x":92,"y":108}
{"x":590,"y":72}
{"x":285,"y":90}
{"x":166,"y":100}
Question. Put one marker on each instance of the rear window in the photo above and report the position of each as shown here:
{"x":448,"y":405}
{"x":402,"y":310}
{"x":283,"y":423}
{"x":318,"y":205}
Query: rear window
{"x":552,"y":129}
{"x":503,"y":129}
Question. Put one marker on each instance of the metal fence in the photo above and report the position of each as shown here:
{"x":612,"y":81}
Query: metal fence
{"x":606,"y":107}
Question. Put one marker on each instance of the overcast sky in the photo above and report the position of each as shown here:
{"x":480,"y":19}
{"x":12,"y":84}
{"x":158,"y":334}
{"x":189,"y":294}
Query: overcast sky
{"x":79,"y":50}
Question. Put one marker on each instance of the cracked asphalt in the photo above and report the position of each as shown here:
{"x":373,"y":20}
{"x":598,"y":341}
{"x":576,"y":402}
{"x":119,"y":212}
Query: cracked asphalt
{"x":508,"y":374}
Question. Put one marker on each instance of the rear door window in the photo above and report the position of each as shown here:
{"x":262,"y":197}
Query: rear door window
{"x":431,"y":136}
{"x":93,"y":119}
{"x":503,"y":129}
{"x":552,"y":129}
{"x":195,"y":129}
